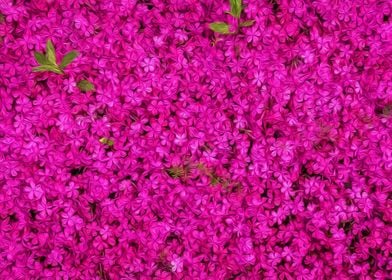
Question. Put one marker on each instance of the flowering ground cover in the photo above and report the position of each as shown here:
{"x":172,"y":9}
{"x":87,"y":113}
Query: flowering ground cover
{"x":171,"y":139}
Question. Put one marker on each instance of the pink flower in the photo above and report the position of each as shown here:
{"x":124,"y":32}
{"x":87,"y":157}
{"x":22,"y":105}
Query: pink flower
{"x":44,"y":209}
{"x":258,"y":78}
{"x":177,"y":264}
{"x":180,"y":139}
{"x":253,"y":35}
{"x":149,"y":64}
{"x":34,"y":192}
{"x":69,"y":85}
{"x":70,"y":220}
{"x":55,"y":257}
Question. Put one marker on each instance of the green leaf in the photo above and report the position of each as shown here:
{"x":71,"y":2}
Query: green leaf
{"x":215,"y":180}
{"x":50,"y":68}
{"x":68,"y":58}
{"x":236,"y":8}
{"x":176,"y":172}
{"x":85,"y":85}
{"x":247,"y":23}
{"x":106,"y":141}
{"x":50,"y":52}
{"x":40,"y":58}
{"x":220,"y":27}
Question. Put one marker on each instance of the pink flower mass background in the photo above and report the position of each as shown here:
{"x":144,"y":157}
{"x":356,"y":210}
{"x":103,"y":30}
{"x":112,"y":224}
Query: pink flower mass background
{"x":264,"y":154}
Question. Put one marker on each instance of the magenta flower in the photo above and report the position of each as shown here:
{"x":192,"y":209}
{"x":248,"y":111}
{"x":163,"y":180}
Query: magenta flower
{"x":149,"y":64}
{"x":34,"y":191}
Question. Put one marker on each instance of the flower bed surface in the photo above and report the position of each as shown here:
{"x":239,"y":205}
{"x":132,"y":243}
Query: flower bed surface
{"x":165,"y":150}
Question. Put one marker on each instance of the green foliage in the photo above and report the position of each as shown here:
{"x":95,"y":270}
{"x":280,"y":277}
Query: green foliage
{"x":236,"y":9}
{"x":48,"y":62}
{"x":247,"y":23}
{"x":50,"y":52}
{"x":106,"y":141}
{"x":50,"y":68}
{"x":40,"y":58}
{"x":68,"y":58}
{"x":85,"y":86}
{"x":176,"y":172}
{"x":215,"y":179}
{"x":220,"y":27}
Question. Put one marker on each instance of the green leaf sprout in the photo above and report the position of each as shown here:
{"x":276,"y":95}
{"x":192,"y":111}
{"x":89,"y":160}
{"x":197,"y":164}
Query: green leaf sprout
{"x":236,"y":9}
{"x":48,"y":62}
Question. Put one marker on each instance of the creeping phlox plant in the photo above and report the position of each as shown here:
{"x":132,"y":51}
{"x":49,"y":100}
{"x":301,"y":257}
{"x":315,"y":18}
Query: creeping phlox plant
{"x":183,"y":139}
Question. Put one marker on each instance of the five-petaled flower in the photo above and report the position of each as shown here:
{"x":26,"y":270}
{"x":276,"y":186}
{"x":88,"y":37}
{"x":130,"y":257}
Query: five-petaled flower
{"x":34,"y":191}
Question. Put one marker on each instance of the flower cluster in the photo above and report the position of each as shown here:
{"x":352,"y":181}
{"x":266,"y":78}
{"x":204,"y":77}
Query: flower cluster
{"x":264,"y":154}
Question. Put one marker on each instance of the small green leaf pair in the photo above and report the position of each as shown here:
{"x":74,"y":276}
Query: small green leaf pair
{"x":48,"y":61}
{"x":106,"y":141}
{"x":235,"y":11}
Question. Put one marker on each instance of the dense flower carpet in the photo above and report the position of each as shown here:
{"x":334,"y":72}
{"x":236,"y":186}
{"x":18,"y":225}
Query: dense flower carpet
{"x":187,"y":139}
